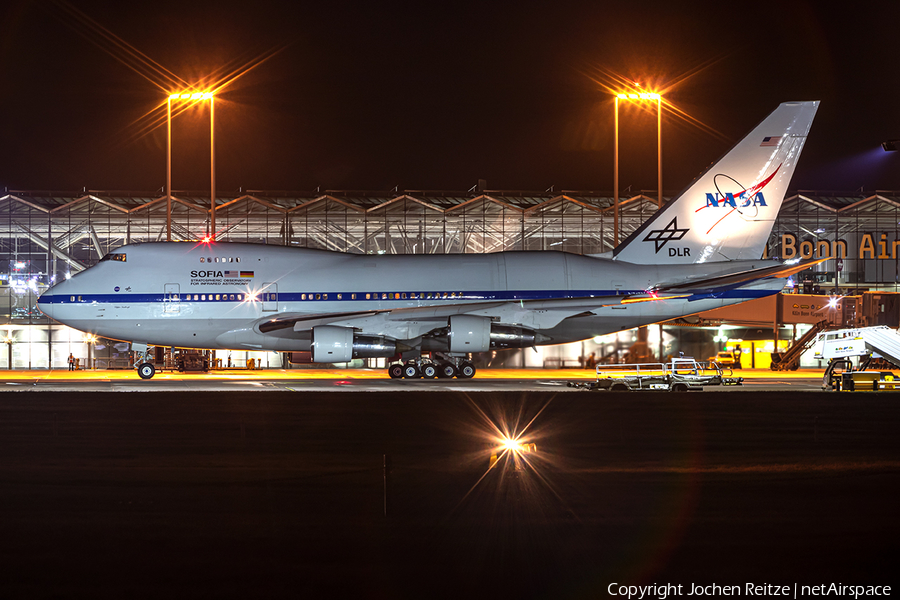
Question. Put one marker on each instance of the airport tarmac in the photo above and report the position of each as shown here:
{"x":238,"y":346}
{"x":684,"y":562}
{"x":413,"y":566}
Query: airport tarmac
{"x":238,"y":495}
{"x":361,"y":380}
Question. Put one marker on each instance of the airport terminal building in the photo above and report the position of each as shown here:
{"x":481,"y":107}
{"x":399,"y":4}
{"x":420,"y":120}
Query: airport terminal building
{"x":48,"y":236}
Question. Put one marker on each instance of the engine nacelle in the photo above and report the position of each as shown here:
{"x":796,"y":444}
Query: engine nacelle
{"x":332,"y":344}
{"x":469,"y":333}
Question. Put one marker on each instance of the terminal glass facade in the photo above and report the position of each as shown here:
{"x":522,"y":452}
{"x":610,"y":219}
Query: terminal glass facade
{"x":45,"y":237}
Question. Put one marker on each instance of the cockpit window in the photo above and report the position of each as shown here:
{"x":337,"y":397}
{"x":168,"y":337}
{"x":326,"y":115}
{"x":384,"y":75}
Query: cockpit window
{"x":111,"y":256}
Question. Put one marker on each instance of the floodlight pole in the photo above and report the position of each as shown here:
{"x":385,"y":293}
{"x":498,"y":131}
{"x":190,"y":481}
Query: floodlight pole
{"x":616,"y":178}
{"x":169,"y":170}
{"x":659,"y":201}
{"x":212,"y":169}
{"x":212,"y":161}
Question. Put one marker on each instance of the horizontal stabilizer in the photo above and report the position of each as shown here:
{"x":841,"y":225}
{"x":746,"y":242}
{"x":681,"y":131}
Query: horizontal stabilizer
{"x":777,"y":271}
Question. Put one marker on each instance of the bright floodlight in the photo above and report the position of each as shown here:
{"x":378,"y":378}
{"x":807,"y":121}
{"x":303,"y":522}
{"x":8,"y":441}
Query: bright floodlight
{"x":641,"y":96}
{"x":191,"y":96}
{"x":511,"y":445}
{"x":518,"y":446}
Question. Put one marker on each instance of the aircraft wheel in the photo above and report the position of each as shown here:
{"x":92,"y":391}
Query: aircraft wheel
{"x":429,"y":371}
{"x":446,"y":370}
{"x":146,"y":370}
{"x":411,"y":371}
{"x":395,"y":371}
{"x":466,"y":370}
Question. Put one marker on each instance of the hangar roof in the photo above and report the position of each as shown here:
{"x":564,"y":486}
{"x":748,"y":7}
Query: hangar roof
{"x":437,"y":200}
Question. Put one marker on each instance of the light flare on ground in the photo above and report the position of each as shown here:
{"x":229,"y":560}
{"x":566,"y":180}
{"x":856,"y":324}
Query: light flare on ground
{"x":514,"y":455}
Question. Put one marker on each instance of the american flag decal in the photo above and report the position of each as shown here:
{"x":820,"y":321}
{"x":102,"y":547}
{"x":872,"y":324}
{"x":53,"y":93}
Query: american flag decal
{"x":246,"y":273}
{"x":771,"y":141}
{"x":232,"y":273}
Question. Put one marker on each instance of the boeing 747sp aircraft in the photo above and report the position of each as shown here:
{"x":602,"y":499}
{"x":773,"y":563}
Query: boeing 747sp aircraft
{"x":700,"y":251}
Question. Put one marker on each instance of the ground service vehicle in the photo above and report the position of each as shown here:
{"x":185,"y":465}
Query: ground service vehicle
{"x":679,"y":375}
{"x":865,"y":381}
{"x":839,"y":346}
{"x":724,"y":358}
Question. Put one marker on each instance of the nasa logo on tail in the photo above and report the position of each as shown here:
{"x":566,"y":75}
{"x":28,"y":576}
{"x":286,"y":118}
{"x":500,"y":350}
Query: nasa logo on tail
{"x":669,"y":233}
{"x":746,"y":201}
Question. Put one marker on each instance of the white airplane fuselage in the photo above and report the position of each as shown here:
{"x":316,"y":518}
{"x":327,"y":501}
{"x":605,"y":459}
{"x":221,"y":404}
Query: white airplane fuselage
{"x":199,"y":295}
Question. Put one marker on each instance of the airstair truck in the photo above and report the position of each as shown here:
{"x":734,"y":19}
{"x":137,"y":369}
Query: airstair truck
{"x":865,"y":343}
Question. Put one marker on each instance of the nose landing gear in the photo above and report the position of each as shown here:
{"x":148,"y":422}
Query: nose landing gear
{"x":146,"y":370}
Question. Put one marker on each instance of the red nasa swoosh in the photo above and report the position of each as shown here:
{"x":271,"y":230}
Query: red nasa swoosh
{"x":756,"y":188}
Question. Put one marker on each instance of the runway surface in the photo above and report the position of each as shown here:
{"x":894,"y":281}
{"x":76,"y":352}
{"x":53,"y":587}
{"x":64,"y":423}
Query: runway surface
{"x":282,"y":494}
{"x":362,"y":380}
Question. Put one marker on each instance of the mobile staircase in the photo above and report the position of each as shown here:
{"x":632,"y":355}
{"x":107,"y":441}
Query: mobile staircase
{"x":839,"y":346}
{"x":790,"y":359}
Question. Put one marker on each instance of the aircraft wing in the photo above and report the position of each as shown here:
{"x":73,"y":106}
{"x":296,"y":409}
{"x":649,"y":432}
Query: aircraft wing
{"x":410,"y":322}
{"x":524,"y":312}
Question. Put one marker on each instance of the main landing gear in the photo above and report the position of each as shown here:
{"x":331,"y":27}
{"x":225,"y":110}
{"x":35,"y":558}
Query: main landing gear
{"x":429,"y":369}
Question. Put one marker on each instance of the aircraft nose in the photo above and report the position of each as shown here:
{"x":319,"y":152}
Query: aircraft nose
{"x":44,"y":304}
{"x":49,"y":299}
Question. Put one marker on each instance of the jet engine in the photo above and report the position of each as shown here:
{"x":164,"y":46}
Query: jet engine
{"x":469,"y":333}
{"x":332,"y":344}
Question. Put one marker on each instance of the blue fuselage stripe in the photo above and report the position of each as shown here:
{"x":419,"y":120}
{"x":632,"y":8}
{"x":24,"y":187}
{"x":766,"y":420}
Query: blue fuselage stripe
{"x":331,"y":296}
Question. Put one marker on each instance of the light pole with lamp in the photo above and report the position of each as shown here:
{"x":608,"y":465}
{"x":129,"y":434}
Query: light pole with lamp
{"x":659,"y":201}
{"x":196,"y":97}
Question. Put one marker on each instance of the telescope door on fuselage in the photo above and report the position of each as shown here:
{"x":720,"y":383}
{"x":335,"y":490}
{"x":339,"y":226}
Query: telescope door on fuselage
{"x":171,"y":298}
{"x":269,"y":296}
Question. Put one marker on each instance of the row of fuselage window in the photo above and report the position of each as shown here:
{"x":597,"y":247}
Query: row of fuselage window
{"x":224,"y":259}
{"x":387,"y":296}
{"x":268,"y":296}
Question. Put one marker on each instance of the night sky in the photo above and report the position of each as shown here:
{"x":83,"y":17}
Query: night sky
{"x":436,"y":95}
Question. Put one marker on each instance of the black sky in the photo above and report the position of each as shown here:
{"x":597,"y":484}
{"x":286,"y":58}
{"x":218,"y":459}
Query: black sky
{"x":372,"y":95}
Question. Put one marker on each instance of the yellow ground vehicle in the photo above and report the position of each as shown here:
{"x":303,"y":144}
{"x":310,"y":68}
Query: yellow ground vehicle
{"x":725,"y":358}
{"x":861,"y":381}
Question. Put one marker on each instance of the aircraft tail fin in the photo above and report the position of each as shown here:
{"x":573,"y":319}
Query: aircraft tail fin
{"x":728,"y":212}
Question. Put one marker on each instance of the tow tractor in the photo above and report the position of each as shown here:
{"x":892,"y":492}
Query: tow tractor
{"x":679,"y":375}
